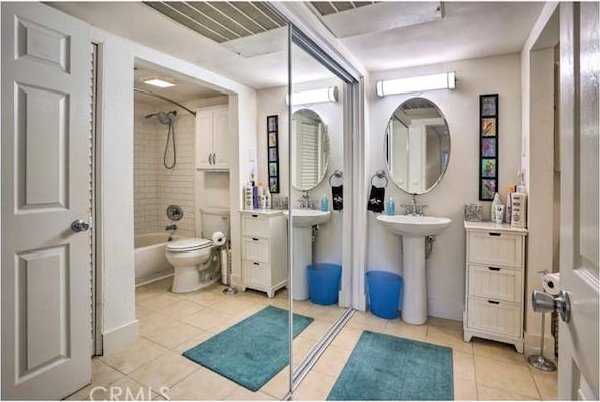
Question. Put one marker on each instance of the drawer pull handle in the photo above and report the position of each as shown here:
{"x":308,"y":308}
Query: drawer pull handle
{"x":254,"y":216}
{"x":494,"y":268}
{"x":255,"y":238}
{"x":255,"y":263}
{"x":493,"y":302}
{"x":495,"y":234}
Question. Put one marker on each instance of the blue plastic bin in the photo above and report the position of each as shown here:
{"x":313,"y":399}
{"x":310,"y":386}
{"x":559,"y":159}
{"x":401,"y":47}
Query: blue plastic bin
{"x":324,"y":283}
{"x":385,"y":293}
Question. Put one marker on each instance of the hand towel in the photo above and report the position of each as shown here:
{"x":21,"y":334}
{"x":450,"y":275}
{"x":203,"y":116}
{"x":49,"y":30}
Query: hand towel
{"x":376,"y":198}
{"x":337,"y":195}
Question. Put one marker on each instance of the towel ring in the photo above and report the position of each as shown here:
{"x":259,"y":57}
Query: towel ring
{"x":338,"y":174}
{"x":380,"y":174}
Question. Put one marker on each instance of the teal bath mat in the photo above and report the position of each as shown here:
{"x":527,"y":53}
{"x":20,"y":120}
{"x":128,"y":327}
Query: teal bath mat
{"x":252,"y":351}
{"x":384,"y":367}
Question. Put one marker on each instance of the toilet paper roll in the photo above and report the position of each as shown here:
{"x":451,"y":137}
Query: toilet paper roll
{"x":218,"y":238}
{"x":551,"y":283}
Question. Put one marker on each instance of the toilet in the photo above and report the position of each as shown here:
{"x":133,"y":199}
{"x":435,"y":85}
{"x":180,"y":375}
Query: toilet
{"x":196,"y":261}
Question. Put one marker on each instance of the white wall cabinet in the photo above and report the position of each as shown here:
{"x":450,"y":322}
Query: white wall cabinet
{"x":495,"y":283}
{"x":212,"y":138}
{"x":264,"y":251}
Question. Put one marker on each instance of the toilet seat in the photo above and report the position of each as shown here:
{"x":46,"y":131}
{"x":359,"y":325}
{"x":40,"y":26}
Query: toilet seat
{"x":188,"y":244}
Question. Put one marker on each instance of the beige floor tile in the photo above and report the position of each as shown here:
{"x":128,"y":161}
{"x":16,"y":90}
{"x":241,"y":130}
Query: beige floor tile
{"x":161,"y":285}
{"x":278,"y":386}
{"x":497,"y":351}
{"x":444,"y":323}
{"x":243,"y":394}
{"x":332,"y":361}
{"x":156,"y":302}
{"x":314,"y":387}
{"x":237,"y":306}
{"x":203,"y":297}
{"x":464,"y":366}
{"x":301,"y":347}
{"x":166,"y":331}
{"x":279,"y":302}
{"x":464,"y":390}
{"x":195,"y":341}
{"x":347,"y":338}
{"x":448,"y":337}
{"x":547,"y":383}
{"x":202,"y":385}
{"x":179,"y":309}
{"x":494,"y":394}
{"x":123,"y":389}
{"x":103,"y":374}
{"x":367,"y":321}
{"x":505,"y":376}
{"x":167,"y":370}
{"x":316,"y":330}
{"x":142,"y":312}
{"x":145,"y":292}
{"x":135,"y":356}
{"x":303,"y":307}
{"x":326,"y":313}
{"x":209,"y":319}
{"x":401,"y":329}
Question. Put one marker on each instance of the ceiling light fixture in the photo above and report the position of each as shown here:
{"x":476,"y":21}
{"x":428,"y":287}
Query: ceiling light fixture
{"x":320,"y":95}
{"x":157,"y":82}
{"x":416,"y":84}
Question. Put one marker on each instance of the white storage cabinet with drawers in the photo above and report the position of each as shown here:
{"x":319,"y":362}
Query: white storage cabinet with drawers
{"x":264,"y":250}
{"x":494,"y":289}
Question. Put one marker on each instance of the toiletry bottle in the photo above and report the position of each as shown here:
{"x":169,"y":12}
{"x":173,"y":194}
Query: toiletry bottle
{"x":262,"y":195}
{"x":324,"y":203}
{"x":255,"y":201}
{"x":390,"y":207}
{"x":268,"y":200}
{"x":509,"y":190}
{"x":248,"y":196}
{"x":496,"y":201}
{"x":519,"y":209}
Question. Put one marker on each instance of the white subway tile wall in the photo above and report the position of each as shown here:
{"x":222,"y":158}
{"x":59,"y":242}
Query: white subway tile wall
{"x":155,"y":186}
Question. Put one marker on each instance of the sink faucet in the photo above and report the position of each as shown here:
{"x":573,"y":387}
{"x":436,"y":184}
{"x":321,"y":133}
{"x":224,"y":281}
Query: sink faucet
{"x":171,"y":227}
{"x":304,"y":201}
{"x":413,"y":208}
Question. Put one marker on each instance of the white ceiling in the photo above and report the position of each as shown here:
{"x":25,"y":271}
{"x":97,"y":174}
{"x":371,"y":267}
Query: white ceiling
{"x":184,"y":90}
{"x":468,"y":30}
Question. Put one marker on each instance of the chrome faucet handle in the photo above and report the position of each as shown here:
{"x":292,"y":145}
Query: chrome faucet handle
{"x":420,"y":209}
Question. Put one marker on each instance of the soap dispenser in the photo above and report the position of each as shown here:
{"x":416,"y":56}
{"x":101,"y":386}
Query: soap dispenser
{"x":390,"y":207}
{"x":324,"y":203}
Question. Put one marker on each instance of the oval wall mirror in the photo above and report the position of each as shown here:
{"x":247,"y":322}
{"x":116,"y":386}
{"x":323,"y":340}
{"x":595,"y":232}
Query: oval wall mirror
{"x":417,"y":146}
{"x":310,"y":149}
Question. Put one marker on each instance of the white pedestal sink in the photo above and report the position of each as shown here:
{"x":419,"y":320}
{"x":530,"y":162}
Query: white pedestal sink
{"x":413,"y":230}
{"x":303,"y":220}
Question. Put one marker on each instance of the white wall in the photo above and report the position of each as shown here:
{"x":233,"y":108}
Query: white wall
{"x":328,"y":247}
{"x":446,"y":265}
{"x":116,"y":216}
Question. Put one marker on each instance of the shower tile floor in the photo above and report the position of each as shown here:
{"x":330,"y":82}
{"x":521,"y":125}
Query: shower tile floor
{"x":171,"y":323}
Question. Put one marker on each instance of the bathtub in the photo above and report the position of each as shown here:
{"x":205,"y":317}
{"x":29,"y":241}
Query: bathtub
{"x":150,"y":261}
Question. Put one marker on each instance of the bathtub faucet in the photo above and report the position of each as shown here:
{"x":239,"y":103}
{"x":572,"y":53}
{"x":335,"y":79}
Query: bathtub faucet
{"x":171,"y":227}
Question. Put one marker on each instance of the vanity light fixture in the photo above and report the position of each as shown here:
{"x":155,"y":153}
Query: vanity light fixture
{"x":157,"y":82}
{"x":416,"y":84}
{"x":320,"y":95}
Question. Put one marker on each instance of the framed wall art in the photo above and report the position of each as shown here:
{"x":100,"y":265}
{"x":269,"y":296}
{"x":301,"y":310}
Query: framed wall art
{"x":488,"y":146}
{"x":273,"y":153}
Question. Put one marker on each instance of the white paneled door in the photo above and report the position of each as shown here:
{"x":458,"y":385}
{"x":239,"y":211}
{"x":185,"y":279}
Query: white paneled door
{"x":579,"y":120}
{"x":46,"y":264}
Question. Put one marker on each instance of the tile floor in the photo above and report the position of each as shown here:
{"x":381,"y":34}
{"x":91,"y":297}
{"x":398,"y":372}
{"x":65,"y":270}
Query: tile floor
{"x":170,"y":324}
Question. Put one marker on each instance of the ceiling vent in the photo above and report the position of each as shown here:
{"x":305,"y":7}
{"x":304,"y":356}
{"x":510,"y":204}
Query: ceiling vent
{"x":347,"y":19}
{"x":221,"y":21}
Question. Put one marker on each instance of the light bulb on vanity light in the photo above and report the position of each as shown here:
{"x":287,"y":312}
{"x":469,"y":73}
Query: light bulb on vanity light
{"x":319,"y":95}
{"x":416,"y":84}
{"x":157,"y":82}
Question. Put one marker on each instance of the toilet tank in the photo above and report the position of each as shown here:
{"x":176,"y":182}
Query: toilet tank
{"x":214,"y":220}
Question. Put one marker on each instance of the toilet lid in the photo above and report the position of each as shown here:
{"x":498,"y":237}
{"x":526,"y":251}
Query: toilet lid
{"x":188,"y":244}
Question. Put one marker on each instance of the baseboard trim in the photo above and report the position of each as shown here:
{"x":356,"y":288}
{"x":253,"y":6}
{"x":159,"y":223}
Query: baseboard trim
{"x":119,"y":338}
{"x":532,"y":345}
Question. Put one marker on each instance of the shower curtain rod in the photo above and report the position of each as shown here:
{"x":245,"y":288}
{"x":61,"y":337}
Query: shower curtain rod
{"x":146,"y":92}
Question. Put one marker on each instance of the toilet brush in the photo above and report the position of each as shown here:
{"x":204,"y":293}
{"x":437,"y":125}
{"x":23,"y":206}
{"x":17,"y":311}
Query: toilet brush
{"x":229,"y":290}
{"x":539,"y":361}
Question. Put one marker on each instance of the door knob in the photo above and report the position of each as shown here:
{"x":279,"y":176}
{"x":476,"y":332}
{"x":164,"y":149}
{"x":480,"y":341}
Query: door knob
{"x":79,"y":225}
{"x":545,"y":303}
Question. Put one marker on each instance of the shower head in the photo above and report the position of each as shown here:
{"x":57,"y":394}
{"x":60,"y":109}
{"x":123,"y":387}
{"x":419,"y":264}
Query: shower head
{"x":163,"y":117}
